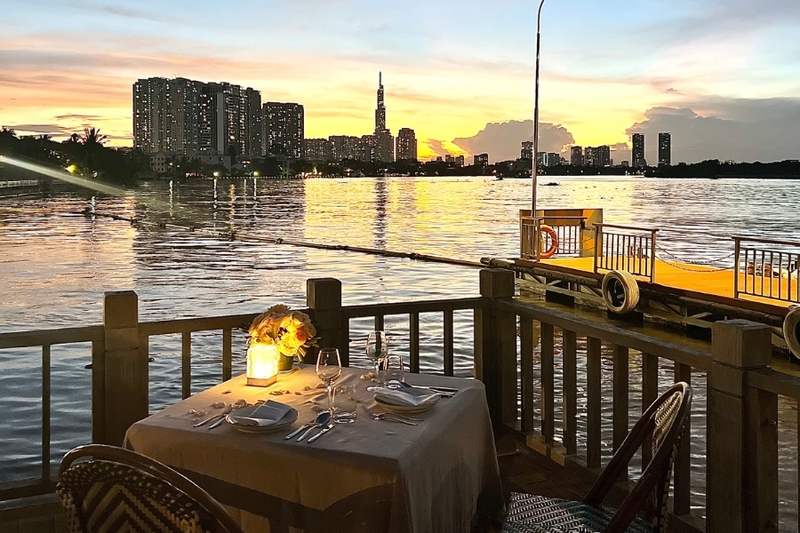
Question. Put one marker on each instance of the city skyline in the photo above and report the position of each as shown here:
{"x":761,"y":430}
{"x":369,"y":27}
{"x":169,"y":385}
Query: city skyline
{"x":461,"y":77}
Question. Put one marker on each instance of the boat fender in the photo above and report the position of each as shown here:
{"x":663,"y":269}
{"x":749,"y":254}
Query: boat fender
{"x":620,"y":291}
{"x":791,"y":330}
{"x":551,"y":251}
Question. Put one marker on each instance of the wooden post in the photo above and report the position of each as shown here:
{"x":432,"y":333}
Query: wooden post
{"x":741,"y":475}
{"x":324,"y":298}
{"x":126,"y":366}
{"x":496,"y":346}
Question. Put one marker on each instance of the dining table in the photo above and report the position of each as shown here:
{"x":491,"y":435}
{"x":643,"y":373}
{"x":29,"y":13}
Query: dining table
{"x":438,"y":474}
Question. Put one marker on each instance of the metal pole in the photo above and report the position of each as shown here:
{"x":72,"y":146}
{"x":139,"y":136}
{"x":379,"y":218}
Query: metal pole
{"x":536,"y":119}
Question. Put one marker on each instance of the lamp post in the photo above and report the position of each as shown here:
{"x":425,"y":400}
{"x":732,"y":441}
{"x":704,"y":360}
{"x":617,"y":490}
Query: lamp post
{"x":536,"y":119}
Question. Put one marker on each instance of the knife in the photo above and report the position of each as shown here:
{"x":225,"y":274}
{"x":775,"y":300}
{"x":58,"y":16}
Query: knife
{"x":324,"y":430}
{"x":217,"y":423}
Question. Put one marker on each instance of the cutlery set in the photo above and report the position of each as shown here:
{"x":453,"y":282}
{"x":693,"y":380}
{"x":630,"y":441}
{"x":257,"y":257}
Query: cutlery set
{"x":323,"y":420}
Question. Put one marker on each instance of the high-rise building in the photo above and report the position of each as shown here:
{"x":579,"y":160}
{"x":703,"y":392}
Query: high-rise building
{"x":597,"y":156}
{"x":365,"y":148}
{"x":406,"y":145}
{"x":480,"y":160}
{"x":380,"y":110}
{"x":186,"y":117}
{"x":343,"y":146}
{"x":459,"y":160}
{"x":637,"y":152}
{"x":553,"y":159}
{"x":664,"y":149}
{"x":284,"y":129}
{"x":318,"y":150}
{"x":383,"y":144}
{"x":576,"y":156}
{"x":167,"y":115}
{"x":527,"y":150}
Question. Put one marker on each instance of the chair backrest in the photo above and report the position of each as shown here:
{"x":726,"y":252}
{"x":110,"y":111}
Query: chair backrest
{"x":664,"y":422}
{"x":121,"y":490}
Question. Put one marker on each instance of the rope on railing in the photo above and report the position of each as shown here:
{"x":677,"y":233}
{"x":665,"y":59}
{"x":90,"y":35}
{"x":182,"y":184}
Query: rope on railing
{"x":694,"y":262}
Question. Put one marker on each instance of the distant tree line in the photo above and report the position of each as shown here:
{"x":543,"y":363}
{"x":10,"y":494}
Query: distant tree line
{"x":82,"y":154}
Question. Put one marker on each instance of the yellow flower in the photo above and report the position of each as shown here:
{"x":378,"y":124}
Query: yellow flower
{"x":292,"y":331}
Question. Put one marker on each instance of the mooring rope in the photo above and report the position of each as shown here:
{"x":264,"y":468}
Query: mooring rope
{"x":234,"y":235}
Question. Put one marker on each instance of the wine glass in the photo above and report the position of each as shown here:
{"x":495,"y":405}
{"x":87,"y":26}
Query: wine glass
{"x":329,"y":368}
{"x":377,"y":351}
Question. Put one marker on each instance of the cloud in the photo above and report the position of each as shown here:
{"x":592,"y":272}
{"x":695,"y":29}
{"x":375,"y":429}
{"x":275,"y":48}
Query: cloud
{"x":56,"y":130}
{"x":725,"y":129}
{"x":436,"y":146}
{"x":502,"y":140}
{"x":73,"y":116}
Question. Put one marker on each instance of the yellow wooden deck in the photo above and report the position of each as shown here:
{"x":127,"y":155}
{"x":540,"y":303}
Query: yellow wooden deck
{"x":692,"y":281}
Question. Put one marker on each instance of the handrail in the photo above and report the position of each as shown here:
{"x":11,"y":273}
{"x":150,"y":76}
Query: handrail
{"x":766,"y":241}
{"x":28,"y":339}
{"x":361,"y":311}
{"x":618,"y":226}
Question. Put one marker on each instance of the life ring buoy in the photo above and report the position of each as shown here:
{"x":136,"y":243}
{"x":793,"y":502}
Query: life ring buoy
{"x":620,"y":292}
{"x":791,"y":330}
{"x":550,"y":232}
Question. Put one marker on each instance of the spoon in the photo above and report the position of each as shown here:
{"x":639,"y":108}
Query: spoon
{"x":322,"y":420}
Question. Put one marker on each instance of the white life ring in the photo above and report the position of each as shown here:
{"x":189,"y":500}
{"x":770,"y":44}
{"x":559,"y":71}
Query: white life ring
{"x":791,"y":330}
{"x":620,"y":292}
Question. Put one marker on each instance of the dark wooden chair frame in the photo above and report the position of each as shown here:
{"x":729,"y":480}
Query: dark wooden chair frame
{"x":656,"y":474}
{"x":225,"y":524}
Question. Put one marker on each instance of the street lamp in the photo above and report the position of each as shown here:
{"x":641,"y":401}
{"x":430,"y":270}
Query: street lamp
{"x":536,"y":114}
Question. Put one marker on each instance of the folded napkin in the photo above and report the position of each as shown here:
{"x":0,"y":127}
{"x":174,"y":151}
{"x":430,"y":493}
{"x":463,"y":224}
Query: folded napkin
{"x":406,"y":397}
{"x":261,"y":415}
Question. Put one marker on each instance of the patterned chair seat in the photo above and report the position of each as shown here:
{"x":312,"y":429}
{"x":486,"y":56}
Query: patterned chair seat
{"x":537,"y":514}
{"x":102,"y":496}
{"x":121,"y":491}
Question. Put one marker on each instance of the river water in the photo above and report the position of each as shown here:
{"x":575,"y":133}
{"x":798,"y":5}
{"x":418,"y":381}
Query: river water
{"x":55,"y":265}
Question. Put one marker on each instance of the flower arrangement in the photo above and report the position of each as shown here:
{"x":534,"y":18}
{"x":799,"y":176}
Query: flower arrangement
{"x":291,"y":331}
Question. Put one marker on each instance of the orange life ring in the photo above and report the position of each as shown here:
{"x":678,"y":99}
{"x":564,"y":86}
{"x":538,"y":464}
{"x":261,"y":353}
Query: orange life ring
{"x":550,"y":252}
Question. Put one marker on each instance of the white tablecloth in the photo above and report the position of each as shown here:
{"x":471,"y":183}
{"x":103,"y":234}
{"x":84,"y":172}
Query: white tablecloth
{"x":440,"y":476}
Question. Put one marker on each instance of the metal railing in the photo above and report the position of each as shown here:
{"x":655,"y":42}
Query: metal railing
{"x":569,"y":235}
{"x":628,"y":248}
{"x":767,"y":268}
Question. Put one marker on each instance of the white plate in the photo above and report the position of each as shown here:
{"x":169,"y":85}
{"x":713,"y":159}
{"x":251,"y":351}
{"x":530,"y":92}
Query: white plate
{"x":287,"y":420}
{"x":410,"y":409}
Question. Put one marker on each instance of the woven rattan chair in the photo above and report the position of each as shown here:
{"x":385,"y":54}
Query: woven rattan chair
{"x":665,"y":421}
{"x":121,"y":490}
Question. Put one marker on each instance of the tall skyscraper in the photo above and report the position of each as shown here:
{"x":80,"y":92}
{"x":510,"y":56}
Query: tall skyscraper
{"x":383,"y":145}
{"x":527,"y":150}
{"x":576,"y":156}
{"x":637,"y":152}
{"x":406,"y":145}
{"x":380,"y":110}
{"x":480,"y":160}
{"x":664,"y":149}
{"x":284,"y":129}
{"x":232,"y":111}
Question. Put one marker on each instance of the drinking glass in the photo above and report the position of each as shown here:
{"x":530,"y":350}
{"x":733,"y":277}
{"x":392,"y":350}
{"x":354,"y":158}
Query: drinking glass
{"x":394,"y":370}
{"x":329,"y":368}
{"x":377,"y":350}
{"x":346,"y":404}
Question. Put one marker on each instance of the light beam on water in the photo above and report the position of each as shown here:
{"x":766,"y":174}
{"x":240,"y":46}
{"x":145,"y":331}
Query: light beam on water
{"x":65,"y":176}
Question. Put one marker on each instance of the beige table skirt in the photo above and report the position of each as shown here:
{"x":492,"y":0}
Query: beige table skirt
{"x":440,"y":476}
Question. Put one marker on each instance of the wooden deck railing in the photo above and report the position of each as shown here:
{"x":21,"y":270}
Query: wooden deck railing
{"x":563,"y":381}
{"x":767,"y":268}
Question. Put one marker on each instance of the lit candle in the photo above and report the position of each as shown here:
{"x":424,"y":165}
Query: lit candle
{"x":262,"y":365}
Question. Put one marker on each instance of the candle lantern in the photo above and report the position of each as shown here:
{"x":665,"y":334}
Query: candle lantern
{"x":262,"y":364}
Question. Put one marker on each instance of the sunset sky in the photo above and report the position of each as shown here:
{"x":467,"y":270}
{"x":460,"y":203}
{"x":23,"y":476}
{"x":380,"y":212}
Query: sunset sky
{"x":722,"y":69}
